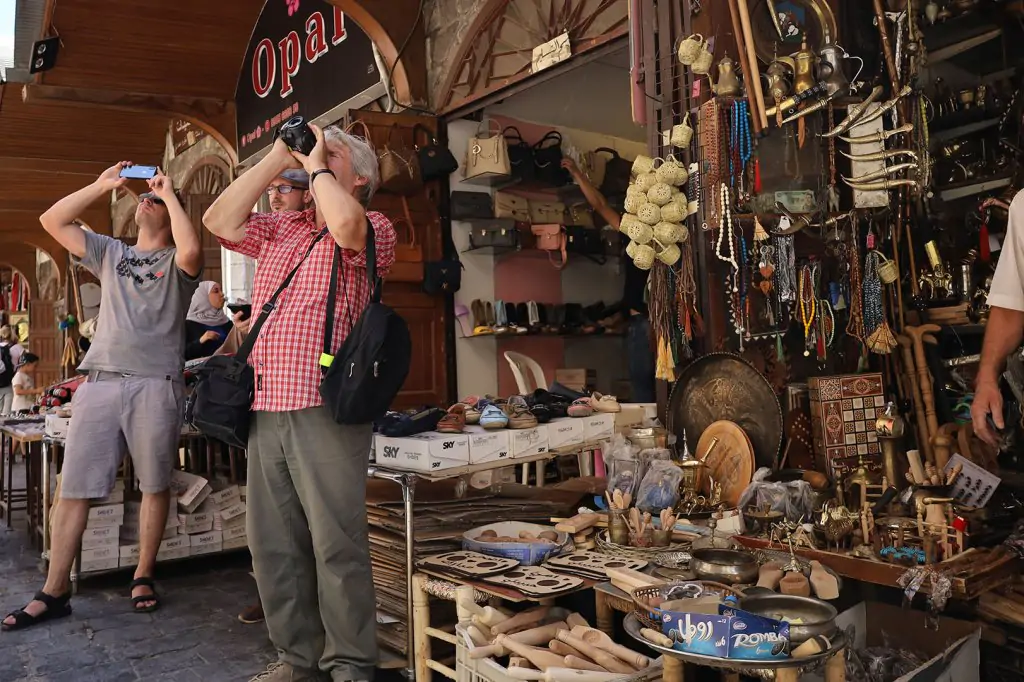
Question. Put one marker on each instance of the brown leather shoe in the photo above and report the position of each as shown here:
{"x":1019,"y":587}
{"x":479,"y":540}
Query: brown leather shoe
{"x":252,"y":614}
{"x":454,"y":421}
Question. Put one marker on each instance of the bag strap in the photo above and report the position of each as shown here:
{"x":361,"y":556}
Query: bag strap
{"x":351,"y":128}
{"x":518,"y":137}
{"x":337,"y":265}
{"x":408,"y":221}
{"x":419,"y":127}
{"x":553,"y":135}
{"x":490,"y":124}
{"x":609,"y":150}
{"x":562,"y":241}
{"x":254,"y":331}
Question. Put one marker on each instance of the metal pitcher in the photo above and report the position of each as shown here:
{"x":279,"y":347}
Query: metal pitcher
{"x":804,"y":62}
{"x":830,"y":68}
{"x":777,"y":77}
{"x":728,"y":84}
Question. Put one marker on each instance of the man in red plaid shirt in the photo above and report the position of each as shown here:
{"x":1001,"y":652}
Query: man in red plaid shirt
{"x":306,"y":518}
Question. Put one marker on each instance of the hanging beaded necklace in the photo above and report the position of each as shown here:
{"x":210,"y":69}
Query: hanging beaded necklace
{"x":785,"y":268}
{"x":872,"y":287}
{"x":741,"y":141}
{"x":808,"y":301}
{"x":725,"y":230}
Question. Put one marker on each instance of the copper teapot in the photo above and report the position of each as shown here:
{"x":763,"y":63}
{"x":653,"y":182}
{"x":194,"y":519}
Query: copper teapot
{"x":777,"y":76}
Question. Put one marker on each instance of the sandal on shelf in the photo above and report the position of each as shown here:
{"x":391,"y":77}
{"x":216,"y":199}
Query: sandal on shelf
{"x":581,"y":407}
{"x":56,"y":607}
{"x":481,"y":326}
{"x":154,"y":597}
{"x":501,"y":325}
{"x":454,"y":421}
{"x":605,"y":403}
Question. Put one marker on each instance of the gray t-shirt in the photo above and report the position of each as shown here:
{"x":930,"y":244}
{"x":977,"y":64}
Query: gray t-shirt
{"x":144,"y":300}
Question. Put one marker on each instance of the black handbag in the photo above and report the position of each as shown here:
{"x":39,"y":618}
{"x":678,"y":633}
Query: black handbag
{"x":471,"y":205}
{"x":442,"y":276}
{"x":500,"y":232}
{"x":617,"y":171}
{"x":547,"y":160}
{"x":585,"y":241}
{"x":221,"y":402}
{"x":364,"y":376}
{"x":436,"y":161}
{"x":520,"y":155}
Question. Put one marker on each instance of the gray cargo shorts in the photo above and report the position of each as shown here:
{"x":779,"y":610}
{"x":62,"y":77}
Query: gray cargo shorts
{"x":114,"y":414}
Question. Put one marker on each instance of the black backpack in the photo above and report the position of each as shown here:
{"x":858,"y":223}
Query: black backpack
{"x":366,"y":373}
{"x":7,"y":373}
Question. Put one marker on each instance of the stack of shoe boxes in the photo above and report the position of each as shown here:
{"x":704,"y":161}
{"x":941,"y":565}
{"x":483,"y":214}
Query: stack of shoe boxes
{"x":229,"y":517}
{"x":99,"y":543}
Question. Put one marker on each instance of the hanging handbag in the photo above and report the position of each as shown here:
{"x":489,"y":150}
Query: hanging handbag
{"x":407,"y":251}
{"x":542,"y":212}
{"x":364,"y":376}
{"x":551,"y":238}
{"x":508,"y":205}
{"x":442,"y":276}
{"x":399,"y":165}
{"x":579,"y":214}
{"x":547,"y":160}
{"x":471,"y":205}
{"x":487,"y":154}
{"x":500,"y":233}
{"x":436,"y":161}
{"x":585,"y":241}
{"x":221,"y":402}
{"x":617,"y":171}
{"x":520,"y":155}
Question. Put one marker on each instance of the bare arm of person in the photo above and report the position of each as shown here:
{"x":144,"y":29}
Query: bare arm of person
{"x":593,"y":194}
{"x":1003,"y":335}
{"x":59,"y":219}
{"x":227,"y":217}
{"x":188,"y":255}
{"x":344,"y":215}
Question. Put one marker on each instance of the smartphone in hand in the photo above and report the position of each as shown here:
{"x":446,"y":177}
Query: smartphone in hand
{"x":139,"y":172}
{"x":246,"y":309}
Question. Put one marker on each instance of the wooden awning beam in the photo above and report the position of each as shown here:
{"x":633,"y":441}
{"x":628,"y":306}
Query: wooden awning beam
{"x":206,"y":108}
{"x":48,"y":165}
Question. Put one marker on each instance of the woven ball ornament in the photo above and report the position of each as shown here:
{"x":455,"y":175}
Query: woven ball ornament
{"x":670,"y":254}
{"x":628,"y":220}
{"x":634,"y":201}
{"x":631,"y":248}
{"x":643,"y":257}
{"x":650,"y":214}
{"x":640,"y":233}
{"x":667,"y":233}
{"x":646,"y":181}
{"x":672,"y":212}
{"x":660,"y":194}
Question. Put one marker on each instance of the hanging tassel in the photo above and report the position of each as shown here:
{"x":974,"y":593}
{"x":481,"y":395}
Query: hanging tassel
{"x":780,"y":356}
{"x":801,"y":132}
{"x":664,"y":369}
{"x":757,"y":176}
{"x":760,"y":234}
{"x":882,"y":340}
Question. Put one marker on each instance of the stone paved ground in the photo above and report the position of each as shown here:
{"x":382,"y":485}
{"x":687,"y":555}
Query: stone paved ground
{"x":194,"y":637}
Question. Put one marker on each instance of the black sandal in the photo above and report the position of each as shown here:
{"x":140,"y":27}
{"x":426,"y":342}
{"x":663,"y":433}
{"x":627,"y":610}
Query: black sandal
{"x":56,"y":607}
{"x":145,"y":582}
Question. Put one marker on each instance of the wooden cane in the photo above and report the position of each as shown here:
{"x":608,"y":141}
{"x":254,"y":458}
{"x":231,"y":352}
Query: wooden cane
{"x":924,"y":378}
{"x":748,"y":40}
{"x":909,"y":369}
{"x":883,"y":32}
{"x":749,"y":73}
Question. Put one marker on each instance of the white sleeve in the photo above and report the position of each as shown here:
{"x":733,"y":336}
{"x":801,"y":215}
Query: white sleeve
{"x":20,"y":380}
{"x":1008,"y":285}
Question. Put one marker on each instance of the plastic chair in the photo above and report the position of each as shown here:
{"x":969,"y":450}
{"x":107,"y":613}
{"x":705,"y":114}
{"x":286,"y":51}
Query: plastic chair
{"x":520,"y":364}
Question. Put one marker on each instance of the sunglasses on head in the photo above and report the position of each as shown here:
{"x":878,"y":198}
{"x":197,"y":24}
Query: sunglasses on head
{"x":152,"y":197}
{"x":284,"y":189}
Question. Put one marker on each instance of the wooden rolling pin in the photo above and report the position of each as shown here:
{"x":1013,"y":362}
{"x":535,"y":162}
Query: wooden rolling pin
{"x":541,"y":658}
{"x":604,"y":659}
{"x":605,"y":643}
{"x":627,"y":580}
{"x":563,"y":649}
{"x":477,"y":636}
{"x":488,"y":615}
{"x":655,"y":637}
{"x":916,"y":467}
{"x":555,"y":674}
{"x":518,"y":662}
{"x":574,"y":620}
{"x":581,"y":663}
{"x":532,"y":637}
{"x":520,"y":619}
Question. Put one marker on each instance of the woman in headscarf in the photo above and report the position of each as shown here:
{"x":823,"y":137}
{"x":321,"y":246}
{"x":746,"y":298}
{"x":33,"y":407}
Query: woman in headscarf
{"x":206,"y":325}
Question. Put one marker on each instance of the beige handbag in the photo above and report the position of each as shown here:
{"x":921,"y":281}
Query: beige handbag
{"x":547,"y":212}
{"x":507,"y":205}
{"x":487,"y":154}
{"x":579,"y":214}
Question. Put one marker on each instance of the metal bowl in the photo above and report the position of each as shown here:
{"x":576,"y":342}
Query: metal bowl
{"x":818,"y":617}
{"x":728,"y":566}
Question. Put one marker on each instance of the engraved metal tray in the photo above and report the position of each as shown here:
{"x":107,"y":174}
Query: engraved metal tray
{"x":724,"y":386}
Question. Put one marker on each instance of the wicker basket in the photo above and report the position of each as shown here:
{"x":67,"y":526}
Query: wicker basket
{"x":606,"y":546}
{"x":650,"y":614}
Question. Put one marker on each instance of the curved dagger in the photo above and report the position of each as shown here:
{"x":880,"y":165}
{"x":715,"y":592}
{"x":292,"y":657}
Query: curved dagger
{"x":881,"y":156}
{"x":888,"y":106}
{"x":881,"y":173}
{"x":883,"y":185}
{"x":855,"y":112}
{"x":796,"y":224}
{"x":881,"y":136}
{"x":817,"y":106}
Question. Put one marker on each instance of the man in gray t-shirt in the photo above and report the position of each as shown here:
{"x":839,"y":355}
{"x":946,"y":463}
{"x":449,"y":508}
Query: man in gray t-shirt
{"x":133,"y":398}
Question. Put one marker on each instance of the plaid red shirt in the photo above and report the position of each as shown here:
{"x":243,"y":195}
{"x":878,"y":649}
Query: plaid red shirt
{"x":286,"y":356}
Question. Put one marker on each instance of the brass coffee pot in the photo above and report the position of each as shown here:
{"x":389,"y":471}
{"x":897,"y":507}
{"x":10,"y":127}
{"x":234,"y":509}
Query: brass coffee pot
{"x":804,"y":62}
{"x":777,"y":77}
{"x":728,"y":82}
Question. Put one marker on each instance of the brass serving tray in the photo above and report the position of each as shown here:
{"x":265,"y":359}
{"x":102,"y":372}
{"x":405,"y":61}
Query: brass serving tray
{"x":724,"y":386}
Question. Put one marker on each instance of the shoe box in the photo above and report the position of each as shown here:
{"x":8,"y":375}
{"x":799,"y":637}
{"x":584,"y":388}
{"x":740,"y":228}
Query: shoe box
{"x":566,"y":432}
{"x":424,"y":452}
{"x":598,"y":426}
{"x":488,"y":445}
{"x":529,"y":442}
